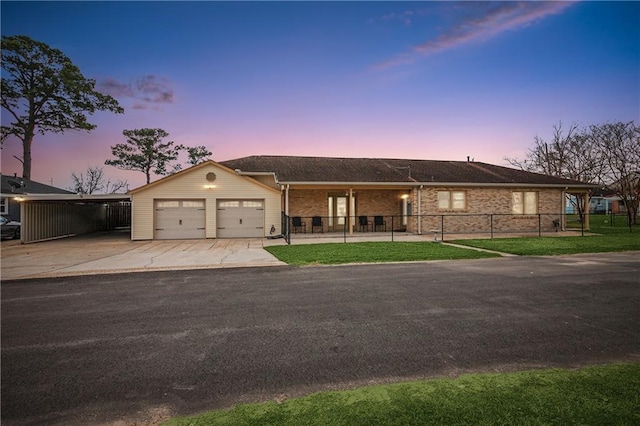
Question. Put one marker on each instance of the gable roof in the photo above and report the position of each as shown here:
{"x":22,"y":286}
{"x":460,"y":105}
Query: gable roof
{"x":196,"y":167}
{"x":291,"y":169}
{"x":18,"y":185}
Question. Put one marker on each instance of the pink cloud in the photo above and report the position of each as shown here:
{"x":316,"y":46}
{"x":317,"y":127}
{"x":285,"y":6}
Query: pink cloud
{"x":483,"y":21}
{"x":146,"y":91}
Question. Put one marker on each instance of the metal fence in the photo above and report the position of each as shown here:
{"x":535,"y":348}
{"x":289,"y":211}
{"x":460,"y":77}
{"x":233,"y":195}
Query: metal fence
{"x":440,"y":226}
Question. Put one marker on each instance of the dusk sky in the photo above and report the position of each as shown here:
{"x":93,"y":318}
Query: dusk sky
{"x":421,"y":80}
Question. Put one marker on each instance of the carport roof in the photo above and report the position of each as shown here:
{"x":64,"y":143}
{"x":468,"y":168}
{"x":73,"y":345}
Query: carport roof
{"x":310,"y":170}
{"x":71,"y":197}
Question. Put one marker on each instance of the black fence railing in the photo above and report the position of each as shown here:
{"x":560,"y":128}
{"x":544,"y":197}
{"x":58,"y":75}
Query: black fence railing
{"x":438,"y":225}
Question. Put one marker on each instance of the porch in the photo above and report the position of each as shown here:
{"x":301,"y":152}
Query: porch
{"x":434,"y":227}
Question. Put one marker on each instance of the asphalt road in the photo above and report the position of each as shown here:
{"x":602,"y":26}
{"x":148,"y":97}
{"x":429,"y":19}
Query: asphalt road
{"x":140,"y":347}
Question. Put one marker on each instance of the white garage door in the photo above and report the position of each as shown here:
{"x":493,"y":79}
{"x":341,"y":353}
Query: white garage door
{"x":179,"y":219}
{"x":240,"y":218}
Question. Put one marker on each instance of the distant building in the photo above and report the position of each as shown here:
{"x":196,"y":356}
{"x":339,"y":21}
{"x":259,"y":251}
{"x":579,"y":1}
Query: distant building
{"x":13,"y":187}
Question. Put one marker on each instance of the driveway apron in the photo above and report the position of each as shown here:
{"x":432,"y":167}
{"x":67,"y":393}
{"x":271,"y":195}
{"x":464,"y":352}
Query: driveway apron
{"x":114,"y":252}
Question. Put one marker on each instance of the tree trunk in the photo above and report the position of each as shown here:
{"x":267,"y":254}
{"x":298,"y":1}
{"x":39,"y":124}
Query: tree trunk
{"x":26,"y":155}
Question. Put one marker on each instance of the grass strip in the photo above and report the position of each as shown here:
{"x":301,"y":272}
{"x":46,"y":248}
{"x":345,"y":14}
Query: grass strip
{"x":549,"y":246}
{"x":589,"y":396}
{"x":370,"y":252}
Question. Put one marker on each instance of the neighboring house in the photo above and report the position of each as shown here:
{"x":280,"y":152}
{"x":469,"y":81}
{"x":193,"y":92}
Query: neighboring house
{"x":14,"y":188}
{"x":246,"y":196}
{"x":604,"y":201}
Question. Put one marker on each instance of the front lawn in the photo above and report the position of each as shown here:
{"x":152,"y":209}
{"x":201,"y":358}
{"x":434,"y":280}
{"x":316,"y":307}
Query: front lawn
{"x":589,"y":396}
{"x":370,"y":252}
{"x":602,"y":237}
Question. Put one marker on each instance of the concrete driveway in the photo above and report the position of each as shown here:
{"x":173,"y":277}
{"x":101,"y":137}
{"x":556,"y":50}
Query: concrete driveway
{"x":113,"y":252}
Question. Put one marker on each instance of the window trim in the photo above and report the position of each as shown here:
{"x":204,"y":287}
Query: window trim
{"x":4,"y":206}
{"x":450,"y":201}
{"x":522,"y":210}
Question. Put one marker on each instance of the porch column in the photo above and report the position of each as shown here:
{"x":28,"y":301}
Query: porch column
{"x":286,"y":200}
{"x":586,"y":210}
{"x":351,"y":211}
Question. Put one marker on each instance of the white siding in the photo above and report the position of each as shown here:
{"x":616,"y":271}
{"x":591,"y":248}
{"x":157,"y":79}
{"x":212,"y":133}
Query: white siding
{"x":190,"y":184}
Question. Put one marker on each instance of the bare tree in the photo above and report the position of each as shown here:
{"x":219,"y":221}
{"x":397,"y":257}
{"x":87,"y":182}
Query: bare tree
{"x":621,"y":144}
{"x":571,"y":154}
{"x":94,"y":181}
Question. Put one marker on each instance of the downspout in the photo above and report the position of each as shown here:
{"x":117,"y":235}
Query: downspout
{"x":420,"y":210}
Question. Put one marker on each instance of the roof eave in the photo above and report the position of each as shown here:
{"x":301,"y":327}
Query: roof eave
{"x":70,"y":197}
{"x":460,"y":184}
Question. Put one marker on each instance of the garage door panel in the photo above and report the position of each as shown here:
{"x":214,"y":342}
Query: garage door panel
{"x":240,"y":218}
{"x":180,"y":219}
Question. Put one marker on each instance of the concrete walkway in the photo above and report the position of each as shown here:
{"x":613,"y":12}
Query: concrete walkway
{"x":104,"y":253}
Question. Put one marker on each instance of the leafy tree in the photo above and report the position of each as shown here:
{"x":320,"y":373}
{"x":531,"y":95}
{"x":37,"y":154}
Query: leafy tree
{"x":45,"y":92}
{"x":197,"y":154}
{"x":93,"y":181}
{"x":144,"y":151}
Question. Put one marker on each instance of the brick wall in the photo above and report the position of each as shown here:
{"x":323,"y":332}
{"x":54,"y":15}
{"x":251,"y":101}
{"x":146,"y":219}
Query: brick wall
{"x":480,"y":202}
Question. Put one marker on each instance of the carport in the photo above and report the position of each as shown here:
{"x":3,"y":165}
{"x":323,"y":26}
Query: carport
{"x":49,"y":216}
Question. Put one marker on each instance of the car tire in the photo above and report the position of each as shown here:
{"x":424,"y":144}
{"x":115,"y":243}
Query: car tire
{"x":16,"y":235}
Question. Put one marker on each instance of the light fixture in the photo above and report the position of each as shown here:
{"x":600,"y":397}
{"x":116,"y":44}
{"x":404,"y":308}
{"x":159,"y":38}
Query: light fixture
{"x":209,"y":186}
{"x":404,"y":196}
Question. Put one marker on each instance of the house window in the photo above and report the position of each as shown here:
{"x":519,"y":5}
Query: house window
{"x":4,"y":205}
{"x":524,"y":202}
{"x":452,"y":200}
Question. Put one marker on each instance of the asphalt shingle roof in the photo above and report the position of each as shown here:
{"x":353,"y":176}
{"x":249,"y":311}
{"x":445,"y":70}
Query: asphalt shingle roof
{"x":380,"y":170}
{"x":18,"y":185}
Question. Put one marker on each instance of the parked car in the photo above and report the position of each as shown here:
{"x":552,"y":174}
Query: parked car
{"x":9,"y":228}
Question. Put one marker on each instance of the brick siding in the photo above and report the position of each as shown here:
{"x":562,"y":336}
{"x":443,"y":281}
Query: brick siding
{"x":480,"y":203}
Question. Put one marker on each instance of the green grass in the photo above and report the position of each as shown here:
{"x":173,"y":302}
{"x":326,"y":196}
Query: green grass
{"x":589,"y":396}
{"x":311,"y":254}
{"x":607,"y":238}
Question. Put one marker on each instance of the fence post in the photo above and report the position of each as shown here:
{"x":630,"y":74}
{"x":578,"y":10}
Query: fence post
{"x":391,"y":228}
{"x":491,"y":221}
{"x":581,"y":225}
{"x":441,"y":227}
{"x":285,"y":228}
{"x":344,"y":228}
{"x":539,"y":225}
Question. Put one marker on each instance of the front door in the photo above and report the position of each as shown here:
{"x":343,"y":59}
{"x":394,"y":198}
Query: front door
{"x":338,"y":211}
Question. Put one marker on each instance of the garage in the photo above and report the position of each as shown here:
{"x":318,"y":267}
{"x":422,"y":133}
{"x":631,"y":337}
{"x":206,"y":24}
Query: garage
{"x":180,"y":219}
{"x":207,"y":200}
{"x":240,"y":218}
